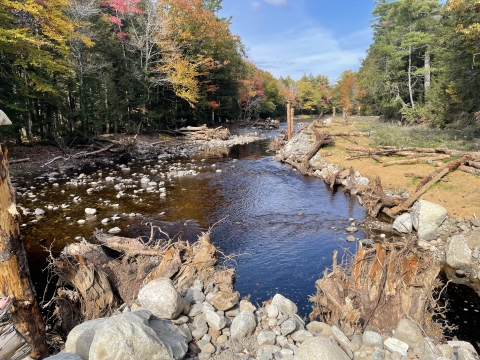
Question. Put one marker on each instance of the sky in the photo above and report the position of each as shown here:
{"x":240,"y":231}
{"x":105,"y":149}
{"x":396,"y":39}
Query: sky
{"x":294,"y":37}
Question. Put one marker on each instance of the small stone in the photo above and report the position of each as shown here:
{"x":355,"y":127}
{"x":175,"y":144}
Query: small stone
{"x":373,"y":339}
{"x":81,"y":221}
{"x":272,"y":311}
{"x":395,"y":345}
{"x":288,"y":326}
{"x":243,"y":325}
{"x":215,"y":320}
{"x":222,"y":339}
{"x":475,"y":222}
{"x":39,"y":212}
{"x":266,"y":338}
{"x":351,"y":229}
{"x":351,"y":238}
{"x":284,"y":304}
{"x":246,"y":305}
{"x":320,"y":328}
{"x":114,"y":230}
{"x":90,"y":211}
{"x":301,"y":335}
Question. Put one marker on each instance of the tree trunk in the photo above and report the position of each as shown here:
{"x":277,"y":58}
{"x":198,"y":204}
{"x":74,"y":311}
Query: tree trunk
{"x":345,"y":116}
{"x":14,"y":274}
{"x":427,"y":71}
{"x":334,"y":112}
{"x":410,"y":76}
{"x":292,"y":122}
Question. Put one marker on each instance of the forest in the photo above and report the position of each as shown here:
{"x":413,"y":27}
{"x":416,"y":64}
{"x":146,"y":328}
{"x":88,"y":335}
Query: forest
{"x":73,"y":69}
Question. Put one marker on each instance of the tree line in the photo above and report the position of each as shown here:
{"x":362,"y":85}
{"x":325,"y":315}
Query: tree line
{"x":424,"y":63}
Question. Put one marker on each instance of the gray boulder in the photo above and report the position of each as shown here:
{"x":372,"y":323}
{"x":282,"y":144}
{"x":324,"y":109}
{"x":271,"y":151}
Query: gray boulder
{"x":161,"y":298}
{"x":319,"y":328}
{"x":342,"y":340}
{"x":194,"y":296}
{"x":64,"y":356}
{"x":394,"y":345}
{"x":243,"y":325}
{"x":372,"y":339}
{"x":410,"y":333}
{"x":215,"y":320}
{"x":403,"y":223}
{"x":128,"y":336}
{"x":320,"y":348}
{"x":266,"y":337}
{"x":464,"y":354}
{"x":288,"y":326}
{"x":170,"y":335}
{"x":81,"y":337}
{"x":284,"y":304}
{"x":458,"y":252}
{"x":301,"y":335}
{"x":427,"y":218}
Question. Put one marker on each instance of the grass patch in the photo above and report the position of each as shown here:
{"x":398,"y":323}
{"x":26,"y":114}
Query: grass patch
{"x":443,"y":186}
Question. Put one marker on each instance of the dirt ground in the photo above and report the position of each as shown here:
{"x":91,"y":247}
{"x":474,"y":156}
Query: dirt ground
{"x":460,"y":195}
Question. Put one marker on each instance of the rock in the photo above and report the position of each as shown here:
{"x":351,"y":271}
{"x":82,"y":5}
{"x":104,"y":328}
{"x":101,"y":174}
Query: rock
{"x":215,"y":320}
{"x":410,"y":333}
{"x":272,"y":311}
{"x":403,"y":223}
{"x":475,"y":222}
{"x":114,"y":230}
{"x":225,"y":300}
{"x":373,"y":339}
{"x":39,"y":212}
{"x":194,"y":296}
{"x":427,"y":218}
{"x":62,"y":356}
{"x":170,"y":335}
{"x":90,"y":211}
{"x":195,"y":310}
{"x":266,"y":337}
{"x":268,"y":349}
{"x":342,"y":340}
{"x":320,"y":348}
{"x":161,"y":298}
{"x":301,"y":335}
{"x":362,"y":181}
{"x":351,"y":238}
{"x":288,"y":326}
{"x":462,"y":344}
{"x":247,"y":305}
{"x":284,"y":304}
{"x":319,"y":328}
{"x":458,"y":253}
{"x":378,"y":355}
{"x":81,"y":336}
{"x":243,"y":325}
{"x":395,"y":345}
{"x":125,"y":337}
{"x":200,"y":326}
{"x":445,"y":350}
{"x":351,"y":229}
{"x":222,"y":339}
{"x":464,"y":354}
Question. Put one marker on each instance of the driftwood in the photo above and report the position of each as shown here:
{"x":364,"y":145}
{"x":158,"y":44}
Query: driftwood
{"x":452,"y":165}
{"x":204,"y":133}
{"x":419,"y":176}
{"x":350,"y":133}
{"x":375,"y":199}
{"x":12,"y":344}
{"x":468,"y":169}
{"x":421,"y":160}
{"x":18,"y":161}
{"x":378,"y":288}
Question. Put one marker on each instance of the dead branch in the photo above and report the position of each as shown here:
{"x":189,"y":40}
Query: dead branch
{"x":468,"y":169}
{"x":96,"y":152}
{"x":420,"y":160}
{"x":18,"y":161}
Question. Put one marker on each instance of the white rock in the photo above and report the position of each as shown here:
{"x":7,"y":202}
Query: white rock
{"x":410,"y":333}
{"x":284,"y":304}
{"x":458,"y":252}
{"x":81,"y":336}
{"x":320,"y":348}
{"x":161,"y":298}
{"x":215,"y":320}
{"x":114,"y":230}
{"x":90,"y":211}
{"x":372,"y":339}
{"x":81,"y":221}
{"x":266,"y":337}
{"x":39,"y":212}
{"x":395,"y":345}
{"x":403,"y":223}
{"x":426,"y":219}
{"x":63,"y":356}
{"x":243,"y":325}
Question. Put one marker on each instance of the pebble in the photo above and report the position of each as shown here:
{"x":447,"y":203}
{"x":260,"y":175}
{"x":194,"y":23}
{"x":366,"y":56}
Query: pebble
{"x":351,"y":238}
{"x":114,"y":230}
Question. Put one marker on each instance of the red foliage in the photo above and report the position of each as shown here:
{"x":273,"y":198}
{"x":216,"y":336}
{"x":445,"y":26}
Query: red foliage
{"x":122,"y":36}
{"x":123,"y":6}
{"x":115,"y":20}
{"x":214,"y":104}
{"x":211,"y":88}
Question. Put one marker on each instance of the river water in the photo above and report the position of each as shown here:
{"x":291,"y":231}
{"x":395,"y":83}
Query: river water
{"x":283,"y":226}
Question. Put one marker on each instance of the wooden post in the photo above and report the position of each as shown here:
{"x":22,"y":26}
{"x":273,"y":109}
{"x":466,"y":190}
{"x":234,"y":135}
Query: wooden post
{"x":14,"y":274}
{"x":289,"y":130}
{"x":292,"y":122}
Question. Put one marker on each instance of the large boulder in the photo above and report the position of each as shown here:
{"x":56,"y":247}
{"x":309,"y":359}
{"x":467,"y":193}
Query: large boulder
{"x":410,"y":333}
{"x":285,"y":304}
{"x":243,"y":325}
{"x":170,"y":335}
{"x":427,"y":218}
{"x":161,"y":298}
{"x":458,"y":252}
{"x":403,"y":223}
{"x":320,"y":348}
{"x":128,"y":336}
{"x":81,"y":337}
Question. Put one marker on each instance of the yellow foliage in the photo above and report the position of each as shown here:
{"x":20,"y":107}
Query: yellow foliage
{"x":183,"y":75}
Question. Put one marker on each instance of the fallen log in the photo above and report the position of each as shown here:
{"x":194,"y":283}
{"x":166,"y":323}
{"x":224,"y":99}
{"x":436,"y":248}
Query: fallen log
{"x":321,"y":139}
{"x":452,"y":165}
{"x":350,"y":133}
{"x":96,"y":152}
{"x":468,"y":169}
{"x":474,"y":164}
{"x":419,"y":176}
{"x":13,"y":345}
{"x":421,"y":160}
{"x":18,"y":161}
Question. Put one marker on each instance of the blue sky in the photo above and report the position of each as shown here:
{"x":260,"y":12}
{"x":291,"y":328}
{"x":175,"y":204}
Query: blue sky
{"x":293,"y":37}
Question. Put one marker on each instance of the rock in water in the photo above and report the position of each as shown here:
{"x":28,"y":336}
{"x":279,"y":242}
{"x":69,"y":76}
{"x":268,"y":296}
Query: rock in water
{"x":284,"y":304}
{"x":81,"y":337}
{"x":90,"y":211}
{"x":426,"y":219}
{"x":458,"y":252}
{"x":161,"y":298}
{"x":320,"y":348}
{"x":403,"y":223}
{"x":243,"y":325}
{"x":126,"y":337}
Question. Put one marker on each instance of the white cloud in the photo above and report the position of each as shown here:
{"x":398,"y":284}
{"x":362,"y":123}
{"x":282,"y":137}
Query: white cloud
{"x":279,"y":3}
{"x":310,"y":49}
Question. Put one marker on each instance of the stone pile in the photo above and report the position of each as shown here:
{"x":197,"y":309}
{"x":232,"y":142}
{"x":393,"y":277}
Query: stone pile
{"x":165,"y":324}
